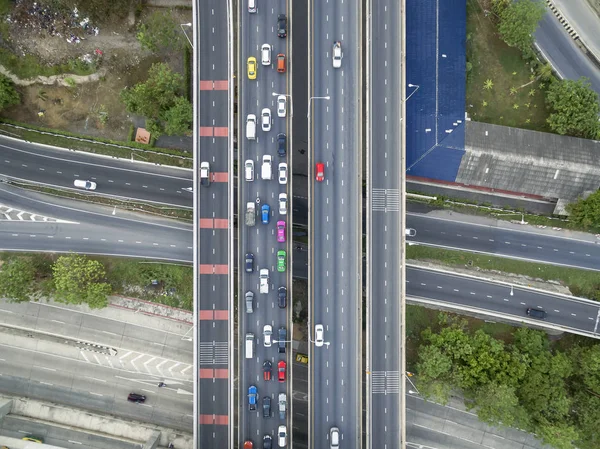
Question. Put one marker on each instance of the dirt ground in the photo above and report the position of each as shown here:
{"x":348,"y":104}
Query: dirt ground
{"x":78,"y":109}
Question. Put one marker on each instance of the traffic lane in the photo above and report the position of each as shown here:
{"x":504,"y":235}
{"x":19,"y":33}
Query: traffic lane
{"x":493,"y":238}
{"x":584,"y":19}
{"x":487,"y":295}
{"x":564,"y":55}
{"x":300,"y":405}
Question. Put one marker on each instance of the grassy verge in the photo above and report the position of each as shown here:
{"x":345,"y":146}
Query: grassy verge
{"x":29,"y":66}
{"x":511,"y":101}
{"x":580,"y":282}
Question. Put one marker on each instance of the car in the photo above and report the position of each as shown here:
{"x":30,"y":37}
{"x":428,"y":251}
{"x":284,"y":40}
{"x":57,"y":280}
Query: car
{"x":281,"y":260}
{"x":267,"y":333}
{"x":319,"y":335}
{"x":251,"y":66}
{"x":282,"y":297}
{"x":249,"y":170}
{"x":281,"y":106}
{"x":265,"y":54}
{"x":334,"y":438}
{"x":265,"y":119}
{"x":204,"y":174}
{"x":281,"y":63}
{"x":137,"y":398}
{"x":266,"y":407}
{"x":267,"y":442}
{"x":337,"y":55}
{"x":265,"y":212}
{"x":249,"y":302}
{"x":252,"y":397}
{"x":281,"y":25}
{"x":281,"y":366}
{"x":281,"y":340}
{"x":537,"y":313}
{"x":282,"y":436}
{"x":282,"y":405}
{"x":410,"y":232}
{"x":87,"y":185}
{"x":282,"y":203}
{"x":32,"y":439}
{"x":252,"y":6}
{"x":248,"y":444}
{"x":281,"y":231}
{"x":267,"y":370}
{"x":249,"y":262}
{"x":283,"y":173}
{"x":319,"y":171}
{"x":281,"y":144}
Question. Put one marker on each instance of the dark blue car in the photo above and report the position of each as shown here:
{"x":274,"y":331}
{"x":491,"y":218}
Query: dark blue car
{"x":265,"y":213}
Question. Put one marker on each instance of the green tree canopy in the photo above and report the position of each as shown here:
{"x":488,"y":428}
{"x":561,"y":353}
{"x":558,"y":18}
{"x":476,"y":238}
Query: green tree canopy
{"x":16,"y":279}
{"x":586,"y":212}
{"x":574,"y":107}
{"x":79,"y":280}
{"x":160,"y":31}
{"x":518,"y":22}
{"x":179,"y":118}
{"x":8,"y":95}
{"x":499,"y":404}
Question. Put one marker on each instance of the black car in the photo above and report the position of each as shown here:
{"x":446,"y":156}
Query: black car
{"x":138,"y":398}
{"x":267,"y":442}
{"x":281,"y":340}
{"x":281,"y":144}
{"x":536,"y":313}
{"x":282,"y":297}
{"x":266,"y":407}
{"x":249,"y":263}
{"x":281,"y":25}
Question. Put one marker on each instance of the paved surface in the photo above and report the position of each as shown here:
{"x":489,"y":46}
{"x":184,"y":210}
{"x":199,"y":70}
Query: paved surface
{"x":335,"y":281}
{"x":580,"y":15}
{"x":260,"y":240}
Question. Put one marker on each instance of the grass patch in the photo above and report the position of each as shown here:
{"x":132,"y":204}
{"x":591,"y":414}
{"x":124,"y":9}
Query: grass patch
{"x":491,"y":59}
{"x":29,"y":66}
{"x":581,"y":283}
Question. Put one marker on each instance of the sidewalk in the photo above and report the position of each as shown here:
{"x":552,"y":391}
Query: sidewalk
{"x":584,"y":20}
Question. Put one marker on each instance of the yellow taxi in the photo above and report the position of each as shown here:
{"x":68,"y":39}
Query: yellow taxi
{"x":251,"y":68}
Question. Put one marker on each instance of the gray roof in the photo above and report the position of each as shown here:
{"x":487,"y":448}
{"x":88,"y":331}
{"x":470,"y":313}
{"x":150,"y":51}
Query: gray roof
{"x":533,"y":162}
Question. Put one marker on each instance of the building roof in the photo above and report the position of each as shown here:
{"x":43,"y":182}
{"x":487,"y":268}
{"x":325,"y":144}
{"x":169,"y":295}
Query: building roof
{"x":519,"y":160}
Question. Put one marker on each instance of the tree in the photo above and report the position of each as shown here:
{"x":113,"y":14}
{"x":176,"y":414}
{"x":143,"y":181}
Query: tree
{"x":179,"y":118}
{"x":161,"y":32}
{"x":586,"y":212}
{"x":16,"y":279}
{"x":79,"y":280}
{"x":8,"y":95}
{"x":499,"y":404}
{"x":574,"y":108}
{"x":560,"y":435}
{"x":518,"y":22}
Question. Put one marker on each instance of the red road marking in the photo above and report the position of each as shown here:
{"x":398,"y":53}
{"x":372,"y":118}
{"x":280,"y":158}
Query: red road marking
{"x":206,"y":85}
{"x":206,"y":315}
{"x":221,"y":131}
{"x":220,"y":176}
{"x":221,"y":374}
{"x":206,"y":131}
{"x":221,"y":85}
{"x":206,"y":373}
{"x":213,"y":419}
{"x":222,"y":420}
{"x":206,"y":223}
{"x":221,"y":315}
{"x":206,"y":268}
{"x":221,"y":223}
{"x":221,"y":269}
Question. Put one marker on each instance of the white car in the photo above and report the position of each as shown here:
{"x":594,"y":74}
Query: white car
{"x":204,"y":174}
{"x":283,"y":203}
{"x":337,"y":55}
{"x":265,"y":119}
{"x":265,"y":54}
{"x":249,"y":170}
{"x":410,"y":232}
{"x":319,"y":335}
{"x":282,"y":436}
{"x":281,"y":105}
{"x":267,"y":332}
{"x":282,"y":173}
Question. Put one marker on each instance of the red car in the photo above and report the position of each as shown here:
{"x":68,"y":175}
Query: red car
{"x":267,"y":370}
{"x":320,"y":171}
{"x":281,"y":371}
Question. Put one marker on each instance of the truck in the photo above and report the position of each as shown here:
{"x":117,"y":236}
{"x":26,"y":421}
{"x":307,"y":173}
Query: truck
{"x":265,"y":171}
{"x":264,"y":280}
{"x":250,"y":213}
{"x":282,"y":405}
{"x":251,"y":127}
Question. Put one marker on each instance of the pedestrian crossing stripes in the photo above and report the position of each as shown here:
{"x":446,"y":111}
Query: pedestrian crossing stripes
{"x":214,"y":353}
{"x":385,"y":382}
{"x":385,"y":200}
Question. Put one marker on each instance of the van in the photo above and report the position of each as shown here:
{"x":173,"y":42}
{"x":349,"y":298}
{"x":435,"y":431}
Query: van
{"x":334,"y":438}
{"x":87,"y":185}
{"x":249,"y":170}
{"x":249,"y":345}
{"x":252,"y":6}
{"x":266,"y":172}
{"x":251,"y":127}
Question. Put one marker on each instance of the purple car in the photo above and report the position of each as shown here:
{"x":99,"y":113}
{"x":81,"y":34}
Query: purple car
{"x":281,"y":231}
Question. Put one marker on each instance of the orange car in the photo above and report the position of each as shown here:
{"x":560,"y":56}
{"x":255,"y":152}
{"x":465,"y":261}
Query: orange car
{"x":281,"y":63}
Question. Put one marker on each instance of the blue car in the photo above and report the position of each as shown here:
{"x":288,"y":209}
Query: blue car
{"x":252,"y":397}
{"x":265,"y":213}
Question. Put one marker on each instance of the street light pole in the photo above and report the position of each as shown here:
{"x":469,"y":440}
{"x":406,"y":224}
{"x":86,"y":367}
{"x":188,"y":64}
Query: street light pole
{"x":315,"y":98}
{"x":181,"y":25}
{"x":413,"y":92}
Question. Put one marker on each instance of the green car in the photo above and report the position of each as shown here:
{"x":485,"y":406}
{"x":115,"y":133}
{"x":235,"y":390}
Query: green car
{"x":281,"y":260}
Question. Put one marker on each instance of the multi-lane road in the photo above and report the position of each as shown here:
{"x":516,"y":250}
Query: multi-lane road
{"x":335,"y":276}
